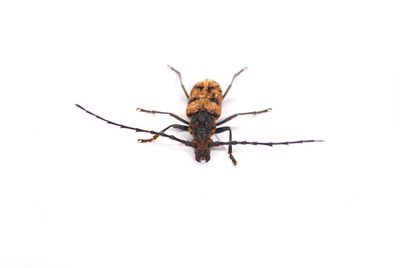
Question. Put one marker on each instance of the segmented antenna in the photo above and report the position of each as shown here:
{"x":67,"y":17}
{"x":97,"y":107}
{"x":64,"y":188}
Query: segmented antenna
{"x":187,"y":143}
{"x":219,"y":143}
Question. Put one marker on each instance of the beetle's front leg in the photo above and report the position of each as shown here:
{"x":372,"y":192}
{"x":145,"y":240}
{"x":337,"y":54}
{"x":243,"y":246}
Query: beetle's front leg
{"x":182,"y":127}
{"x":223,"y":129}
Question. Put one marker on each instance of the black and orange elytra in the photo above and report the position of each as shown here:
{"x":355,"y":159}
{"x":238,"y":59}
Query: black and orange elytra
{"x":203,"y":111}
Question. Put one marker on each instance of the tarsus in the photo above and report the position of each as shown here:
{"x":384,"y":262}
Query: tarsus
{"x":187,"y":143}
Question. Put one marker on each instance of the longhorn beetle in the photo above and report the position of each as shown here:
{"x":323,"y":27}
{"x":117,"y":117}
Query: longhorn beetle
{"x":203,"y":110}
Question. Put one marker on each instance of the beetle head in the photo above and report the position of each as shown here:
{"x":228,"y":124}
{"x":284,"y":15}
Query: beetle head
{"x":201,"y":149}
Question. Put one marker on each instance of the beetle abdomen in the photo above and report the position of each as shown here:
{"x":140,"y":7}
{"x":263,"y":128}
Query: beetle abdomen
{"x":207,"y":95}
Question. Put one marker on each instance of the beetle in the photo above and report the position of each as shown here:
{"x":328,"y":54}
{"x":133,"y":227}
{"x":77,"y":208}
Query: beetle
{"x":203,"y":111}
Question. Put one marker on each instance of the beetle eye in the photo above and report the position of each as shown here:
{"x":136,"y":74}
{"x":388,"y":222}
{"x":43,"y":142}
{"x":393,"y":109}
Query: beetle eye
{"x":209,"y":141}
{"x":195,"y":141}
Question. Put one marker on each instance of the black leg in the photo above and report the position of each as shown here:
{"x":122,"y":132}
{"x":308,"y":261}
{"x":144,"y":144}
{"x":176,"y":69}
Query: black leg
{"x":234,"y":115}
{"x":187,"y":143}
{"x":223,"y":129}
{"x":158,"y":112}
{"x":233,"y":78}
{"x":180,"y":80}
{"x":162,"y":131}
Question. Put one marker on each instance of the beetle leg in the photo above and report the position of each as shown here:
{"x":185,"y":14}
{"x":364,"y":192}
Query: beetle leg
{"x":158,"y":112}
{"x":223,"y":129}
{"x":233,"y":78}
{"x":180,"y":80}
{"x":234,"y":115}
{"x":187,"y":143}
{"x":182,"y":127}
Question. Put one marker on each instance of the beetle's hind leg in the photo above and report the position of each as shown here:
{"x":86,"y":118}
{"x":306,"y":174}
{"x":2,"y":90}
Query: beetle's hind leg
{"x":180,"y":79}
{"x":233,"y":79}
{"x":223,"y":129}
{"x":182,"y":127}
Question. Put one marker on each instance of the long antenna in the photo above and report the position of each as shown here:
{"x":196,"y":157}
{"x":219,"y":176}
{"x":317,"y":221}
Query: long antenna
{"x":187,"y":143}
{"x":219,"y":143}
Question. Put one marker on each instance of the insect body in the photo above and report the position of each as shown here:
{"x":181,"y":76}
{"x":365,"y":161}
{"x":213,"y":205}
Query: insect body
{"x":206,"y":94}
{"x":203,"y":111}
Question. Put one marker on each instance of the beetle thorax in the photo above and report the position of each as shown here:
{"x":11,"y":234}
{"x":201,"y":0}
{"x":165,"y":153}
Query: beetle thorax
{"x":202,"y":125}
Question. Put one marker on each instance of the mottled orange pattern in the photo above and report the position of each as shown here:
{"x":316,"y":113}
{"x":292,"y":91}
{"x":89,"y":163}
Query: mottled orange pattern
{"x":207,"y":95}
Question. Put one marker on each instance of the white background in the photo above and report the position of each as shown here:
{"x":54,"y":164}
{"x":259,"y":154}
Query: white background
{"x":76,"y":192}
